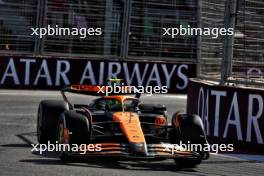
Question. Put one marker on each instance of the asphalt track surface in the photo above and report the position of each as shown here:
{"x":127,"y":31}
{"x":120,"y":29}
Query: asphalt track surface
{"x":18,"y":130}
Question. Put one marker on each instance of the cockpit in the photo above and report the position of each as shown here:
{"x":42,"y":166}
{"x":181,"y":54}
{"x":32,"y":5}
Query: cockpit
{"x":115,"y":104}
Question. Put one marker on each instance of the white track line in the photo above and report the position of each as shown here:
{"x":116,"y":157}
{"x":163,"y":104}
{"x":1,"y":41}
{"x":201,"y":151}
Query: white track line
{"x":17,"y":114}
{"x":246,"y":157}
{"x":30,"y":93}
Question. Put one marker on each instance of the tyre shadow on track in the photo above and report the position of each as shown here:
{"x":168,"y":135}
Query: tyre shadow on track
{"x":24,"y":137}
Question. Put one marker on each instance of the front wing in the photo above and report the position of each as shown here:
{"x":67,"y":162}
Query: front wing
{"x":153,"y":151}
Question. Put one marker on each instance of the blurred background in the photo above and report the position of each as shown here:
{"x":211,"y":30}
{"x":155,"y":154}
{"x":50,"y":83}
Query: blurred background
{"x":132,"y":30}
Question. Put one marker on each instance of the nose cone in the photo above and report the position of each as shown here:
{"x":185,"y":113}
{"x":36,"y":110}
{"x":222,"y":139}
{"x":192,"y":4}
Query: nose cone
{"x":138,"y":148}
{"x":130,"y":126}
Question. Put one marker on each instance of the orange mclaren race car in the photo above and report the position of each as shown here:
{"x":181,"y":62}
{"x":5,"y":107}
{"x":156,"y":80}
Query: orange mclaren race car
{"x":121,"y":126}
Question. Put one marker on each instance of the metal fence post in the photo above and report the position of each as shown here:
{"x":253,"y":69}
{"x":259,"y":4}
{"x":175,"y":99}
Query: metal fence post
{"x":229,"y":22}
{"x":199,"y":39}
{"x":126,"y":29}
{"x":108,"y":27}
{"x":43,"y":17}
{"x":38,"y":19}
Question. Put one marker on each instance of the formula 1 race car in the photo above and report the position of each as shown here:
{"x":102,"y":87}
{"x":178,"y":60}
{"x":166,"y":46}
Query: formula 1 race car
{"x":121,"y":126}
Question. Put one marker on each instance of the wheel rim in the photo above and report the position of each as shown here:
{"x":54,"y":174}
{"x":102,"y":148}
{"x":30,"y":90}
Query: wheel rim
{"x":61,"y":138}
{"x":61,"y":134}
{"x":39,"y":126}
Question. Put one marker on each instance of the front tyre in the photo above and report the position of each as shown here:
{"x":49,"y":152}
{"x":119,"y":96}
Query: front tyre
{"x":188,"y":129}
{"x":48,"y":116}
{"x":73,"y":129}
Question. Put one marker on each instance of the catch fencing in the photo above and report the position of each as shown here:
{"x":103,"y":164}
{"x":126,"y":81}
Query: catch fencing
{"x":244,"y":66}
{"x":131,"y":29}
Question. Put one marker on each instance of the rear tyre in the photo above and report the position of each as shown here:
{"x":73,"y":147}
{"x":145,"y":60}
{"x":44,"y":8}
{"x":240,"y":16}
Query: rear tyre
{"x":189,"y":131}
{"x":77,"y":127}
{"x":48,"y":116}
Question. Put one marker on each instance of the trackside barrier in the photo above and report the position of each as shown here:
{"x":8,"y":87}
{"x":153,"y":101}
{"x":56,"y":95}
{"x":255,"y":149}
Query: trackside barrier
{"x":230,"y":114}
{"x":55,"y":73}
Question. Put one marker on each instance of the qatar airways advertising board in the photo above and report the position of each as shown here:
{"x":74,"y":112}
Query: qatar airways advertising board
{"x":55,"y":73}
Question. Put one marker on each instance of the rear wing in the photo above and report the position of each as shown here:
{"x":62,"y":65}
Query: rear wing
{"x":99,"y":90}
{"x":85,"y":89}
